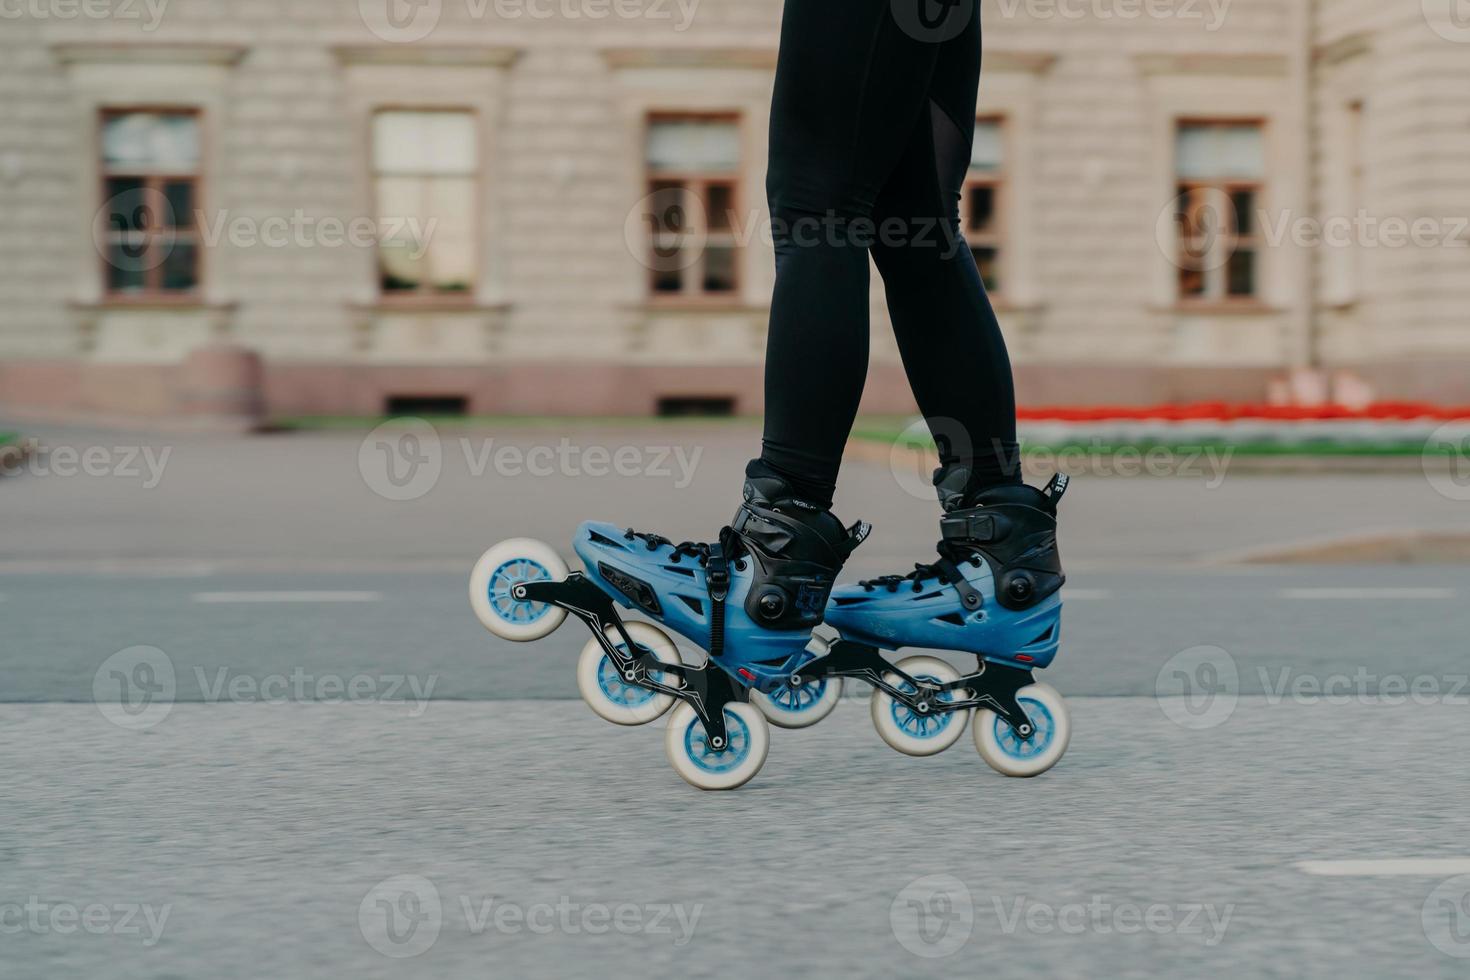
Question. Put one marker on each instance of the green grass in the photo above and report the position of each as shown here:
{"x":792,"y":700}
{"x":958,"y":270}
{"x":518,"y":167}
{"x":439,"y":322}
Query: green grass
{"x":1315,"y":447}
{"x":8,"y":437}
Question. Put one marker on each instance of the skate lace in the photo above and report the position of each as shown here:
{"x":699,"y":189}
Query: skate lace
{"x":945,"y":570}
{"x":698,"y":550}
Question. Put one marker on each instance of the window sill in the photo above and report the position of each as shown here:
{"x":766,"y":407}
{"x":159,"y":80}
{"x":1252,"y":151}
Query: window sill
{"x":1223,"y":308}
{"x":698,"y":304}
{"x":430,"y":304}
{"x":183,"y":303}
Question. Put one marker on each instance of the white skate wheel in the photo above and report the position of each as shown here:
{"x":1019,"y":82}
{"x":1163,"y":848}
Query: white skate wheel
{"x":502,"y":568}
{"x":700,"y":765}
{"x":1007,"y":753}
{"x":909,"y":731}
{"x":799,"y":707}
{"x":613,"y":697}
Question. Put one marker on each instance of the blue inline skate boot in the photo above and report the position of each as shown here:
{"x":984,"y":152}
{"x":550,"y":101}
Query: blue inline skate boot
{"x":993,"y":592}
{"x":750,"y":599}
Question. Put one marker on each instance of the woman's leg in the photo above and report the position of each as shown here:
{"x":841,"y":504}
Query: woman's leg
{"x":952,"y":346}
{"x":850,"y":85}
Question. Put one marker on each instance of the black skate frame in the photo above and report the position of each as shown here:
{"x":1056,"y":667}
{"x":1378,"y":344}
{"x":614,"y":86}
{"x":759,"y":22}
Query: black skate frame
{"x":708,"y":689}
{"x":993,"y":686}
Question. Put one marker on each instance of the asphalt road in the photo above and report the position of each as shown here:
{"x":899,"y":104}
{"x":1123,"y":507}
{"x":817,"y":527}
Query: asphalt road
{"x":522,"y":839}
{"x":1273,"y":626}
{"x":460,"y":815}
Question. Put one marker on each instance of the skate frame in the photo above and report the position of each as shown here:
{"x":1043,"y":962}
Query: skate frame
{"x":708,"y":689}
{"x":993,"y":686}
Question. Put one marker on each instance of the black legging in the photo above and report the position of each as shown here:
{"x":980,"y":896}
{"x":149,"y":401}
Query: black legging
{"x":871,"y":125}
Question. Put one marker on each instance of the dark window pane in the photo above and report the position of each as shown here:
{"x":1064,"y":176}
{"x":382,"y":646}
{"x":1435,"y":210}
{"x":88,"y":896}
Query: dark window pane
{"x":982,"y":208}
{"x":667,"y":280}
{"x":180,"y":197}
{"x":125,"y":208}
{"x":721,"y":206}
{"x":1244,"y":203}
{"x":125,"y":271}
{"x":987,"y":261}
{"x":1242,"y":273}
{"x":719,"y":269}
{"x":667,"y":205}
{"x":180,"y":266}
{"x":1200,"y":215}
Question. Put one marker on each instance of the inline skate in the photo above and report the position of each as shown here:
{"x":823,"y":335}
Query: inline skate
{"x":993,"y":592}
{"x":750,"y":599}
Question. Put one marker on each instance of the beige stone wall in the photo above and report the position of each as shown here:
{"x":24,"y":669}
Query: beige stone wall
{"x":286,"y":88}
{"x":1383,"y":297}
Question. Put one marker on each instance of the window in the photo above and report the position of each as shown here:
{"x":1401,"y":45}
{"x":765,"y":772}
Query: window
{"x":693,"y":174}
{"x":425,"y":166}
{"x":1220,"y":167}
{"x":150,"y":178}
{"x":980,"y":205}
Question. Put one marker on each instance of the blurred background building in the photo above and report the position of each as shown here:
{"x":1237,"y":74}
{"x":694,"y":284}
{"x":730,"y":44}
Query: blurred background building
{"x":442,"y":205}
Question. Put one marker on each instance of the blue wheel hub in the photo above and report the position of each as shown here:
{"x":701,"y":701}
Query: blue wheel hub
{"x":916,"y":725}
{"x":517,"y":571}
{"x":619,"y":691}
{"x":1044,"y":725}
{"x":795,"y":700}
{"x":699,"y":751}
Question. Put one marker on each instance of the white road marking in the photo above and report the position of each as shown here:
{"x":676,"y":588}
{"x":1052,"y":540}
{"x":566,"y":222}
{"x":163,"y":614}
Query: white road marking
{"x":1368,"y":594}
{"x":1429,"y":867}
{"x":245,"y":597}
{"x":1085,"y":595}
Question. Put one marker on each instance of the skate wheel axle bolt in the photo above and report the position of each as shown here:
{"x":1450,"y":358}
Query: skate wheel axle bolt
{"x":717,"y":742}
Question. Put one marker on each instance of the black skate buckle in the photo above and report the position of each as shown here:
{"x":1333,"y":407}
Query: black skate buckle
{"x":717,"y":573}
{"x":975,"y":527}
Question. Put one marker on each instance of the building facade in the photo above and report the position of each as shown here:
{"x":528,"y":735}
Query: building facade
{"x":557,"y":206}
